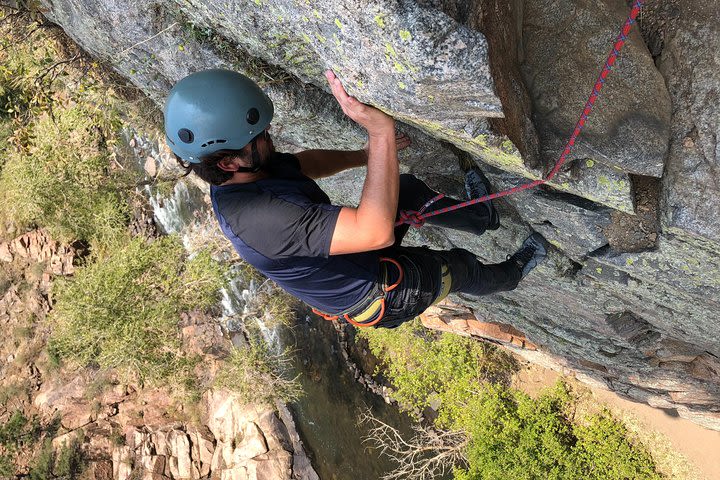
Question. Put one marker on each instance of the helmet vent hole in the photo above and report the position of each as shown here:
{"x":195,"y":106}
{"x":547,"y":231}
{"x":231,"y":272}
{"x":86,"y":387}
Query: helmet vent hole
{"x":186,"y":135}
{"x":253,"y":116}
{"x":220,"y":141}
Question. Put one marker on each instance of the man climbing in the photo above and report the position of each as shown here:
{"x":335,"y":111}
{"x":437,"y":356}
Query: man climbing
{"x":344,"y":262}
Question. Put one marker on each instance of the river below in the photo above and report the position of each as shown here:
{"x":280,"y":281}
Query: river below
{"x":327,"y":414}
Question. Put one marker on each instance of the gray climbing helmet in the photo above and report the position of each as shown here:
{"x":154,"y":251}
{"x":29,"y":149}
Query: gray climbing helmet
{"x":214,"y":110}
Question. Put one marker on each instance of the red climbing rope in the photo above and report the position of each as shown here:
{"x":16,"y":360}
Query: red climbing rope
{"x":417,"y":218}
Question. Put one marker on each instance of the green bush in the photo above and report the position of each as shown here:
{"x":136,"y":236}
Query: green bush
{"x":57,"y":131}
{"x":514,"y":436}
{"x":122,"y":311}
{"x":70,"y":460}
{"x":12,"y":431}
{"x":7,"y":466}
{"x":257,"y":375}
{"x":62,"y":180}
{"x":509,"y":434}
{"x":419,"y":363}
{"x":42,"y":465}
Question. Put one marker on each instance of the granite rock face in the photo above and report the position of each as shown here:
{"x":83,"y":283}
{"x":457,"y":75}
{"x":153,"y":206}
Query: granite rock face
{"x":642,"y":323}
{"x":690,"y":62}
{"x":565,"y":44}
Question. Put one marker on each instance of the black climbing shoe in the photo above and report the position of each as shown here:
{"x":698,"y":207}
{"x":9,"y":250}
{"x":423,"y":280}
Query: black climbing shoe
{"x":477,"y":185}
{"x":532,"y":252}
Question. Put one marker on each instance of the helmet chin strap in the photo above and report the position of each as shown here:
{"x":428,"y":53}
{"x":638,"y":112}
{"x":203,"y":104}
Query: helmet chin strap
{"x":256,"y":162}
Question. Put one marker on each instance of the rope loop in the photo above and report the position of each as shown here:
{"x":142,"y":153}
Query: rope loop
{"x":411,"y":217}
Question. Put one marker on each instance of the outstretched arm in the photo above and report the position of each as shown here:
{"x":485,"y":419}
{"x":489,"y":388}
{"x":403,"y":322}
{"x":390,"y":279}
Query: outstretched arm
{"x":324,"y":163}
{"x":370,"y":225}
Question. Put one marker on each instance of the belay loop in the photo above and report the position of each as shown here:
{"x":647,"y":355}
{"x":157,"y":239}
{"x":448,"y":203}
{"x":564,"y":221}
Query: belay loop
{"x":417,"y":219}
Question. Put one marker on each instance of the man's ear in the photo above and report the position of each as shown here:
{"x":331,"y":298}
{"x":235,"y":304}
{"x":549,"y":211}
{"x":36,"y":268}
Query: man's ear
{"x":228,"y":164}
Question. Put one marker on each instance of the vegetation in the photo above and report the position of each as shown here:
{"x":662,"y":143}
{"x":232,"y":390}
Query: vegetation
{"x":123,"y":312}
{"x":22,"y":435}
{"x":255,"y":374}
{"x":68,"y":462}
{"x":505,"y":433}
{"x":57,"y":131}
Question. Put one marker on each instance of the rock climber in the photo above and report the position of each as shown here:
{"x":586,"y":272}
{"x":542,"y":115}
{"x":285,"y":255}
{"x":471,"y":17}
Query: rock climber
{"x":344,"y":262}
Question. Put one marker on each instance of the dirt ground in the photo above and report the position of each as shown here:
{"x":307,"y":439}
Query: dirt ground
{"x":635,"y":233}
{"x":681,"y":449}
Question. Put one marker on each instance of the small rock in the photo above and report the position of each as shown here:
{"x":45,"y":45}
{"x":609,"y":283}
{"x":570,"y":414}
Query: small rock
{"x":150,"y":166}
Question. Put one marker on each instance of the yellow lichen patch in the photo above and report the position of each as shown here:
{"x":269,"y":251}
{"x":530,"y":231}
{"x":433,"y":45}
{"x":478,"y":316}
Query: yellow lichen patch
{"x":360,"y":84}
{"x":380,"y":20}
{"x":317,"y":14}
{"x":320,"y":38}
{"x":402,"y":85}
{"x":390,"y":50}
{"x":590,"y":163}
{"x":399,"y":67}
{"x":598,"y":269}
{"x":306,"y":37}
{"x":629,"y":261}
{"x":405,"y":35}
{"x":339,"y":24}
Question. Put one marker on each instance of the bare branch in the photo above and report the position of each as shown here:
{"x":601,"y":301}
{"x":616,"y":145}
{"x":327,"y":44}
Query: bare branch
{"x":429,"y":454}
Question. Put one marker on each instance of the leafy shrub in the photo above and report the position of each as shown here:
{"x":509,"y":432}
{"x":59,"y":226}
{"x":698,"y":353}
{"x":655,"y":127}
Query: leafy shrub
{"x":57,"y":130}
{"x":42,"y":465}
{"x":70,"y":460}
{"x":122,"y":311}
{"x":62,"y":180}
{"x":419,"y":362}
{"x":514,"y":436}
{"x":509,"y":434}
{"x":256,"y":375}
{"x":7,"y":466}
{"x":12,"y":431}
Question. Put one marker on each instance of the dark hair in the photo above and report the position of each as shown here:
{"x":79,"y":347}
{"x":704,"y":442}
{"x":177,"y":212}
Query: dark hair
{"x":208,"y":168}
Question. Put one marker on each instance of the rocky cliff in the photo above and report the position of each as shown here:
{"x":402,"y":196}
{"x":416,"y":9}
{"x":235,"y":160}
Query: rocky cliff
{"x":629,"y":295}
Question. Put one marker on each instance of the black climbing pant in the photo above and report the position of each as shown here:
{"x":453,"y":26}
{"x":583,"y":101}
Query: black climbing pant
{"x":423,"y":266}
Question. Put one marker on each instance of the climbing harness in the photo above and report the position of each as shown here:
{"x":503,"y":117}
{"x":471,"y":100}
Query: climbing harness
{"x":417,"y":218}
{"x":377,"y":307}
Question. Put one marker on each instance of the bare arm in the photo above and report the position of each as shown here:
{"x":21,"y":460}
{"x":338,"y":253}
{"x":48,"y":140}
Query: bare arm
{"x":325,"y":163}
{"x":370,"y":226}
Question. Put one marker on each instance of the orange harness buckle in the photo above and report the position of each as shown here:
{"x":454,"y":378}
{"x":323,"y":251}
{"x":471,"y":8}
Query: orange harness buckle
{"x":386,"y":288}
